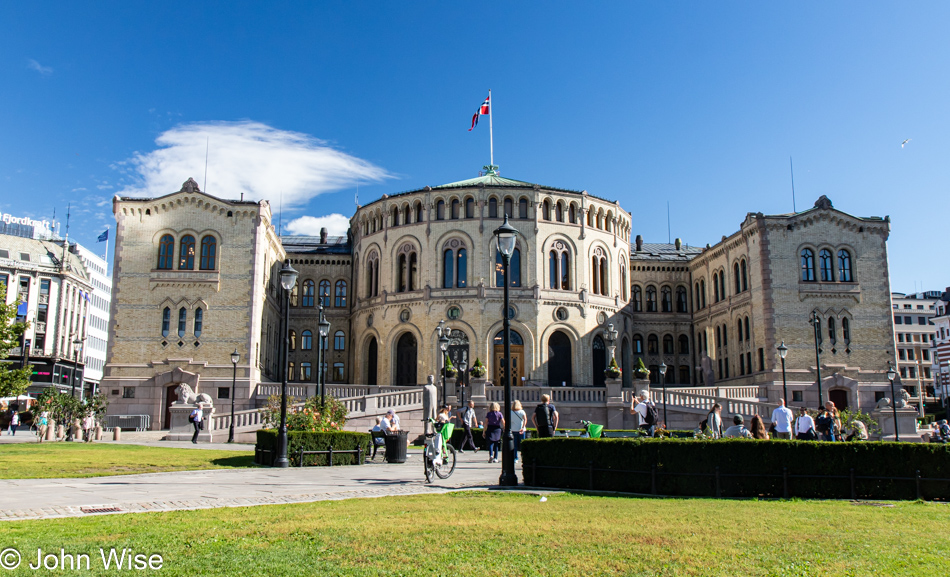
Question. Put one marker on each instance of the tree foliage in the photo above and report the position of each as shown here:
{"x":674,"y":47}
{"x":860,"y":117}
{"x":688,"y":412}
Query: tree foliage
{"x":13,"y":381}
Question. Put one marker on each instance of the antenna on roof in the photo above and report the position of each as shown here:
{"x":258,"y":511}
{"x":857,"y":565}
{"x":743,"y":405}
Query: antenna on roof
{"x":669,"y":230}
{"x":207,"y":145}
{"x":66,"y":242}
{"x":792,"y":169}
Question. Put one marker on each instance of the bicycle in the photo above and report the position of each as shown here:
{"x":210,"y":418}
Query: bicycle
{"x":444,"y":469}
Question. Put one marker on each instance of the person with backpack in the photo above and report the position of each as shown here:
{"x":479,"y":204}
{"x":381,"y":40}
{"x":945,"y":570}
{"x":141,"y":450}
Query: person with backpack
{"x":647,"y":411}
{"x":196,"y":418}
{"x":545,"y":417}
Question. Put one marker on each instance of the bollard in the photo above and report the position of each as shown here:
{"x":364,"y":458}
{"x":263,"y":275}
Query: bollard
{"x":117,"y":434}
{"x":51,"y":431}
{"x":98,"y":433}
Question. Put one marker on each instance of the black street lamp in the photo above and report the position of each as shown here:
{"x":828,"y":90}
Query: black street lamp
{"x":288,"y":278}
{"x":891,"y":375}
{"x":782,"y":351}
{"x":235,"y":357}
{"x":816,"y":324}
{"x":506,"y":236}
{"x":323,"y":332}
{"x":663,"y":380}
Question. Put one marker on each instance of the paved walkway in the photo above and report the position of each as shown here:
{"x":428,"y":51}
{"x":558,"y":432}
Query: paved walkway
{"x":51,"y":498}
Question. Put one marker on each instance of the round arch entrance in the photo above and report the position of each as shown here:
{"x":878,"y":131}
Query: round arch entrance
{"x":559,"y":360}
{"x":458,"y":353}
{"x":599,"y":362}
{"x":516,"y":350}
{"x":372,"y":362}
{"x":406,"y":354}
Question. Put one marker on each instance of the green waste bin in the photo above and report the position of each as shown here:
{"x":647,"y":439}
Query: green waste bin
{"x":396,"y":445}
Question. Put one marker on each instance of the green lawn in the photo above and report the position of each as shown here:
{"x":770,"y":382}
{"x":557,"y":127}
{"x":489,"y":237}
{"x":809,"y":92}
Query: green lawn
{"x":55,"y":460}
{"x":483,"y":534}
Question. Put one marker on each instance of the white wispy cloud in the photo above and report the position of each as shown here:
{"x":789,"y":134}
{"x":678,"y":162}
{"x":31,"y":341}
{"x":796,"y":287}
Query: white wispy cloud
{"x":336,"y":225}
{"x":250,"y":157}
{"x":34,"y":65}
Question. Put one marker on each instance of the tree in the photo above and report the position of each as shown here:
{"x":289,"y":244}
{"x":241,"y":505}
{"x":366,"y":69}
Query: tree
{"x":13,"y":381}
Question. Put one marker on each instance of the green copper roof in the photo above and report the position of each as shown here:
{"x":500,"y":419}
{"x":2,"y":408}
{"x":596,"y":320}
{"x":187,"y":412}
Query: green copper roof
{"x":491,"y":178}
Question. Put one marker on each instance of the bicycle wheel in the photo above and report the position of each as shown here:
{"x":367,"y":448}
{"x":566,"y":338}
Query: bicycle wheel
{"x":445,"y":470}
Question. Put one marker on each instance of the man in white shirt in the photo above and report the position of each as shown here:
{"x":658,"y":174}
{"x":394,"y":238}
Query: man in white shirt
{"x":390,"y":422}
{"x":805,"y":426}
{"x":197,"y":416}
{"x":469,"y":421}
{"x":647,"y":411}
{"x":782,"y":419}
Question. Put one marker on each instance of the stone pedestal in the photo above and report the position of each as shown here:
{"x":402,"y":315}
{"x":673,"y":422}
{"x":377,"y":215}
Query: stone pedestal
{"x":182,"y":430}
{"x":50,"y":431}
{"x":477,"y":390}
{"x":451,"y":393}
{"x":906,"y":423}
{"x":615,"y":404}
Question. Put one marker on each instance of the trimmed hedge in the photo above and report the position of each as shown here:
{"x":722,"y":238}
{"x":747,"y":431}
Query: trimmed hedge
{"x":746,"y":468}
{"x":479,"y":434}
{"x":309,"y":441}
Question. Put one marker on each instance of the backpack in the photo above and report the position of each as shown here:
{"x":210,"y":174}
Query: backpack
{"x":651,"y":414}
{"x":545,"y":416}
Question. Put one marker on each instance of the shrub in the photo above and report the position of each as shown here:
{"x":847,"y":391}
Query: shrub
{"x":746,"y":468}
{"x":311,"y":417}
{"x":478,"y":370}
{"x":613,"y":370}
{"x":312,"y":441}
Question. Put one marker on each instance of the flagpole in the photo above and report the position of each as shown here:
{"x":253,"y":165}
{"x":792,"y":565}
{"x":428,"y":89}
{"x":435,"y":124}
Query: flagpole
{"x":491,"y":135}
{"x":105,"y":256}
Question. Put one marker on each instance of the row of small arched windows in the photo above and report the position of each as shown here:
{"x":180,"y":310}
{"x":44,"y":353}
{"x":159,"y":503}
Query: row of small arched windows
{"x":306,"y":341}
{"x":186,"y":253}
{"x":826,"y":266}
{"x":306,"y":294}
{"x":653,"y":345}
{"x":666,"y":299}
{"x":182,"y":322}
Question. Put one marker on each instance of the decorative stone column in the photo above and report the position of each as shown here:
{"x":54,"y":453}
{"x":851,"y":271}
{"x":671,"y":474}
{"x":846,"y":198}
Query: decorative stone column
{"x":906,"y":423}
{"x":451,"y":393}
{"x":477,"y":389}
{"x":615,"y":404}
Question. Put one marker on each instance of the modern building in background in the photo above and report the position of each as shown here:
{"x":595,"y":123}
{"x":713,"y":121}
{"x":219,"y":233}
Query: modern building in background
{"x":940,"y":349}
{"x":914,"y":335}
{"x":97,"y":322}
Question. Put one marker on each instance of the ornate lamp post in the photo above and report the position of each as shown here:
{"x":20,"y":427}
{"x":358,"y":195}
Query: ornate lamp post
{"x":816,"y":324}
{"x":463,"y":366}
{"x":663,"y":381}
{"x":610,"y":336}
{"x":782,"y":351}
{"x":891,"y":375}
{"x":443,"y":348}
{"x":288,"y":278}
{"x":506,"y":236}
{"x":324,"y":331}
{"x":235,"y":357}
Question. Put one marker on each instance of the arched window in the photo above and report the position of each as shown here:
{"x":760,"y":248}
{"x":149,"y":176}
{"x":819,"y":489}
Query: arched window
{"x":493,"y":207}
{"x":523,"y":208}
{"x":832,"y":333}
{"x":637,"y":299}
{"x":340,"y":293}
{"x":808,"y":265}
{"x":572,"y":213}
{"x":406,"y":215}
{"x":324,"y":293}
{"x":684,"y":345}
{"x":395,"y":217}
{"x":715,"y":287}
{"x":684,"y":375}
{"x":418,"y":212}
{"x":637,"y":344}
{"x":559,"y":267}
{"x":747,"y":334}
{"x":718,"y":338}
{"x":306,"y":341}
{"x":681,"y":300}
{"x":307,"y":299}
{"x":559,"y":211}
{"x":725,"y":336}
{"x":651,"y":299}
{"x":745,"y":276}
{"x":199,"y":321}
{"x":166,"y":252}
{"x":826,"y":266}
{"x":408,"y":270}
{"x":666,"y":299}
{"x":209,"y":246}
{"x":339,"y":341}
{"x":448,"y":260}
{"x":440,"y":210}
{"x":292,"y":337}
{"x":623,"y":281}
{"x":844,"y":267}
{"x":600,"y":219}
{"x":455,"y":208}
{"x":186,"y":253}
{"x":514,"y":269}
{"x":696,"y":300}
{"x":608,"y":223}
{"x":182,"y":321}
{"x":290,"y":371}
{"x":722,"y":285}
{"x":590,"y":217}
{"x":599,"y":272}
{"x":372,"y":275}
{"x":702,"y":292}
{"x":846,"y":330}
{"x":668,"y":345}
{"x":461,"y":269}
{"x":653,"y":345}
{"x":166,"y":321}
{"x":509,"y":207}
{"x":546,"y":210}
{"x":469,"y":208}
{"x":738,"y":280}
{"x":739,"y":327}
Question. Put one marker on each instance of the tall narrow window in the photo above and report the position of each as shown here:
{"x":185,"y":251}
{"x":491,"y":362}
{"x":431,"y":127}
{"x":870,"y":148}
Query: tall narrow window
{"x":324,"y":293}
{"x":716,"y":287}
{"x":552,"y":269}
{"x":166,"y":321}
{"x":846,"y":330}
{"x":166,"y":252}
{"x":808,"y":265}
{"x":413,"y":272}
{"x":651,"y":299}
{"x":339,"y":341}
{"x":718,"y":338}
{"x":565,"y":271}
{"x":590,"y":217}
{"x":844,"y":266}
{"x":702,"y":292}
{"x":418,"y":212}
{"x":514,"y":268}
{"x":824,"y":263}
{"x":572,"y":214}
{"x":305,"y":371}
{"x":668,"y":345}
{"x":604,"y":277}
{"x":186,"y":253}
{"x":722,"y":285}
{"x":340,"y":300}
{"x":681,"y":300}
{"x":493,"y":207}
{"x":440,"y":210}
{"x":455,"y":208}
{"x":509,"y":207}
{"x":209,"y":247}
{"x":295,"y":295}
{"x":523,"y":208}
{"x":667,"y":299}
{"x":401,"y":272}
{"x":653,"y":345}
{"x":738,"y":280}
{"x":745,"y":276}
{"x":182,"y":321}
{"x":832,"y":333}
{"x":637,"y":299}
{"x":623,"y":282}
{"x":291,"y":375}
{"x":559,"y":212}
{"x":595,"y":273}
{"x":461,"y":269}
{"x":306,"y":341}
{"x":696,"y":299}
{"x":546,"y":210}
{"x":447,"y":268}
{"x":559,"y":267}
{"x":470,"y":208}
{"x":394,"y":220}
{"x":739,"y":327}
{"x":684,"y":345}
{"x":747,"y":334}
{"x":406,"y":215}
{"x":637,"y":345}
{"x":725,"y":336}
{"x":199,"y":321}
{"x":307,"y":299}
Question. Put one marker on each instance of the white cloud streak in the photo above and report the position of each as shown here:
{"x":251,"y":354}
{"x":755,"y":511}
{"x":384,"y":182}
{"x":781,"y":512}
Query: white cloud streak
{"x":336,"y":225}
{"x":34,"y":65}
{"x":249,"y":157}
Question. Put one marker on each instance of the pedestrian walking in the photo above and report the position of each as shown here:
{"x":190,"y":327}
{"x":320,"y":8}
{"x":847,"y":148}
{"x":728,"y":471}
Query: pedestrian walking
{"x":805,"y":426}
{"x":494,"y":425}
{"x":42,"y":426}
{"x":197,"y":420}
{"x":14,"y":423}
{"x":519,"y":425}
{"x":469,"y":421}
{"x":545,"y":417}
{"x":782,"y":418}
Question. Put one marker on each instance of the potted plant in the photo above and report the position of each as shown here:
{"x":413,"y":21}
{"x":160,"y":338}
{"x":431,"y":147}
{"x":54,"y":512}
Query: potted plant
{"x":450,"y":370}
{"x":641,"y":370}
{"x":613,"y":370}
{"x":478,"y":370}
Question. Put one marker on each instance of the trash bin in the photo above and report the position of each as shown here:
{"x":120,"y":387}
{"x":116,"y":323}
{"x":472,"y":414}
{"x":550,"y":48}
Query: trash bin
{"x":396,"y":446}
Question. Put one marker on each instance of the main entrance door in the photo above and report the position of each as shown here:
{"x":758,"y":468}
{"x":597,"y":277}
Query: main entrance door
{"x":516,"y":350}
{"x":839,"y":397}
{"x":458,"y":352}
{"x":599,"y":360}
{"x":171,"y":396}
{"x":371,"y":362}
{"x":559,"y":360}
{"x":406,"y":360}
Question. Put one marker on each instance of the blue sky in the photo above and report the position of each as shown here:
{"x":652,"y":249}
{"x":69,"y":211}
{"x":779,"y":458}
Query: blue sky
{"x":697,"y":103}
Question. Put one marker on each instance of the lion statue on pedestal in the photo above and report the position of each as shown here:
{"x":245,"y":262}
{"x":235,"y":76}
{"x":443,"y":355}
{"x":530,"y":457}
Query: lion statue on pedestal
{"x":902,"y":401}
{"x":187,"y":396}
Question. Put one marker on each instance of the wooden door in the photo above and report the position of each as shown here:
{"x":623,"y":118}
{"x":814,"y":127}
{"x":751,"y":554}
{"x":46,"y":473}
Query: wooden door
{"x":171,"y":396}
{"x":517,"y":364}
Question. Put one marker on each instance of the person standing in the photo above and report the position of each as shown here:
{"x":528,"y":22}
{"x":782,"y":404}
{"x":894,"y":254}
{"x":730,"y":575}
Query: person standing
{"x":14,"y":423}
{"x":88,"y":428}
{"x":647,"y":411}
{"x":805,"y":426}
{"x":824,"y":424}
{"x":519,"y":424}
{"x":782,"y":418}
{"x":714,"y":422}
{"x":494,"y":425}
{"x":42,"y":427}
{"x":197,"y":420}
{"x":545,"y":417}
{"x":469,"y":421}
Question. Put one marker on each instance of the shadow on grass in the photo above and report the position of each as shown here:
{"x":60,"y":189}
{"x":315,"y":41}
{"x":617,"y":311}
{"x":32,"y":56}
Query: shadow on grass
{"x":243,"y":461}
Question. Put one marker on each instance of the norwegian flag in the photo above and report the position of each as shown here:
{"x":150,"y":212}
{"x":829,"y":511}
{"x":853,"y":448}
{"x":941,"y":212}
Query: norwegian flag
{"x":485,"y":108}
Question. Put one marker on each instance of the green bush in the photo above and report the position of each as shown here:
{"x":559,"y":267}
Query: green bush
{"x":312,"y":441}
{"x":747,"y":468}
{"x":479,"y":434}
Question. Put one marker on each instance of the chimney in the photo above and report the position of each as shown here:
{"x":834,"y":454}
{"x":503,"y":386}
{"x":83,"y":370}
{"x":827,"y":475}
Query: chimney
{"x":323,"y":235}
{"x":679,"y":244}
{"x":639,"y":243}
